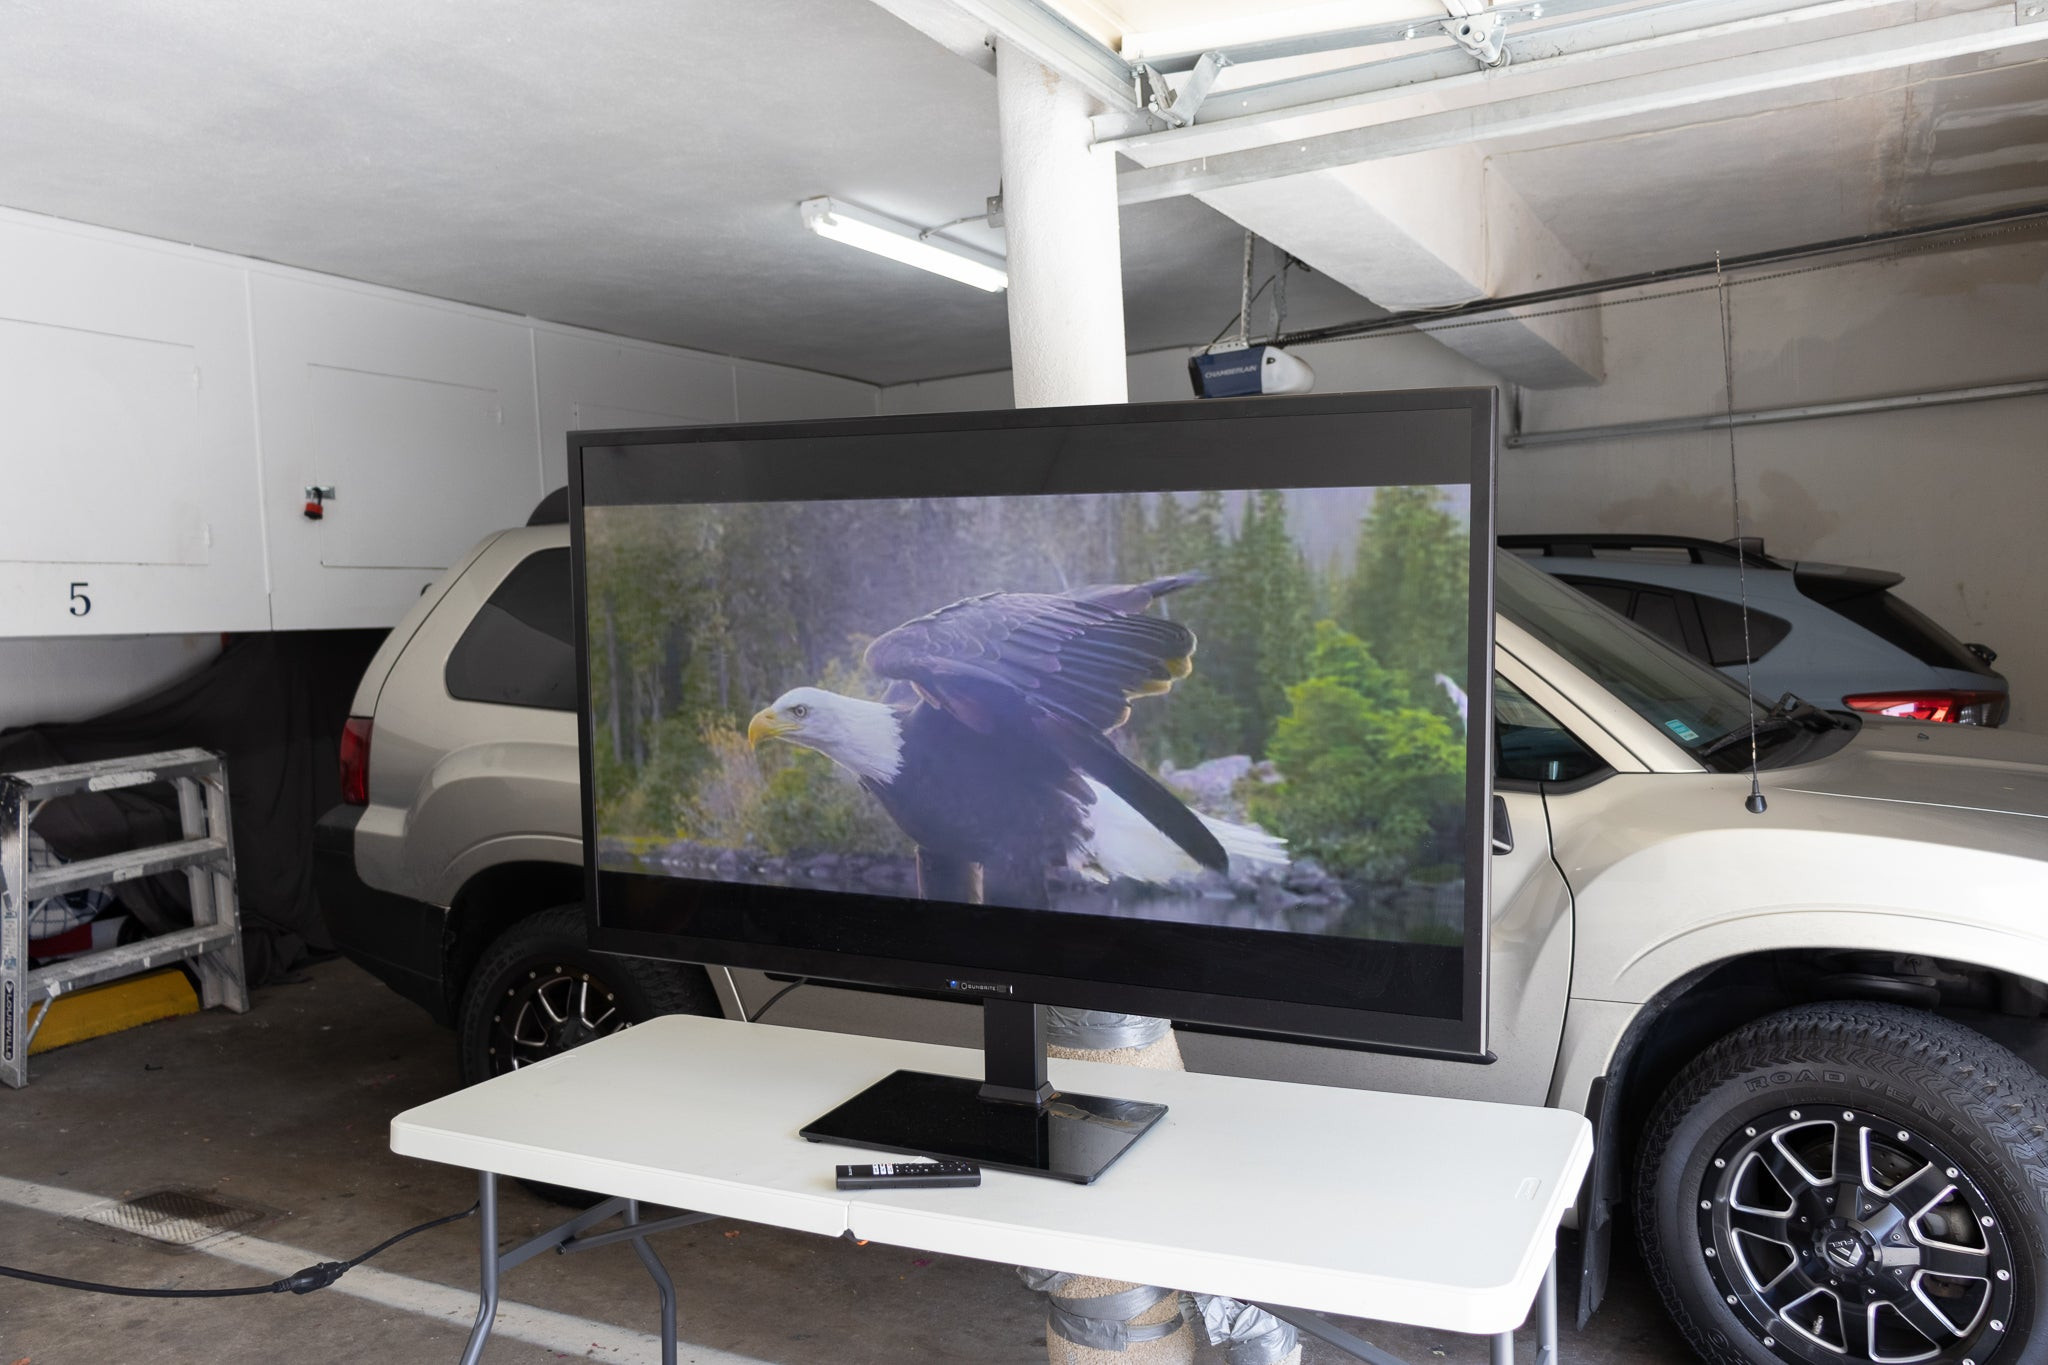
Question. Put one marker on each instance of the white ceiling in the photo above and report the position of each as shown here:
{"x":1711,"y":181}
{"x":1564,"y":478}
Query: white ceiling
{"x":635,"y":166}
{"x":1921,"y":145}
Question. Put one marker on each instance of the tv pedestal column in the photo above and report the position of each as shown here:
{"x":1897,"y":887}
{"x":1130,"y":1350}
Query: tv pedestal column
{"x":702,"y":1114}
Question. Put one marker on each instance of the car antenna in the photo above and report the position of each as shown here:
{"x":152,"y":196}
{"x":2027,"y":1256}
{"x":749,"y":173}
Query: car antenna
{"x":1755,"y":803}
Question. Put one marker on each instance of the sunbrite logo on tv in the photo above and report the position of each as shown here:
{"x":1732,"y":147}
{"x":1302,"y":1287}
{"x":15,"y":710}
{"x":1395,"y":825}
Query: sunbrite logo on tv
{"x":984,"y":987}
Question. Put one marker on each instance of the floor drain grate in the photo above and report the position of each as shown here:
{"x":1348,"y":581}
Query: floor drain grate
{"x":178,"y":1218}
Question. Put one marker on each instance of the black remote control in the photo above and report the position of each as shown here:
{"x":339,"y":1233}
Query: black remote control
{"x":909,"y":1175}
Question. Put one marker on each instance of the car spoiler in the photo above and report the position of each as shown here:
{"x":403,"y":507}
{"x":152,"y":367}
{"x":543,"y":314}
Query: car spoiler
{"x":1840,"y":582}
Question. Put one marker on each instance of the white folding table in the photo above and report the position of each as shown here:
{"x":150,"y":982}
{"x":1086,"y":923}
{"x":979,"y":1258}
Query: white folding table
{"x":1307,"y":1200}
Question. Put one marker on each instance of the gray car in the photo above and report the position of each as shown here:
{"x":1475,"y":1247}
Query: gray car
{"x":1834,"y":635}
{"x":1802,"y":1036}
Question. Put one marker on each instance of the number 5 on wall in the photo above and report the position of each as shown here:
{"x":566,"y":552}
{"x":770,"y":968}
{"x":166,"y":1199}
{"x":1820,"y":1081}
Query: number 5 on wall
{"x":80,"y":603}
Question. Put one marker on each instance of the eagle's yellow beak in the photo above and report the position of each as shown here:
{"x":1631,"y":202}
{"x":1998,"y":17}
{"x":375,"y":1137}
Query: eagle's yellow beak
{"x":766,"y":725}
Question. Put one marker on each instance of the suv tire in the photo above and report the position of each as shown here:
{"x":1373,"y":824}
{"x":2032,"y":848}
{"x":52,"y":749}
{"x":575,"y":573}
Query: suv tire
{"x":542,"y":967}
{"x":1932,"y":1236}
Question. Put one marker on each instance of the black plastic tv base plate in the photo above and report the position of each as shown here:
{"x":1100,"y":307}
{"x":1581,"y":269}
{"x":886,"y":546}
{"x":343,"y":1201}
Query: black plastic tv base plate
{"x":1070,"y":1137}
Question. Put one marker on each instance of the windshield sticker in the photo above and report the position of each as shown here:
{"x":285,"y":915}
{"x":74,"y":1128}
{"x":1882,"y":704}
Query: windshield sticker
{"x":1682,"y":730}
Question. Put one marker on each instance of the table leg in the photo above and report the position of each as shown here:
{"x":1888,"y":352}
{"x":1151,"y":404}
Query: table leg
{"x":1503,"y":1349}
{"x":487,"y":1291}
{"x":662,"y":1282}
{"x":1546,"y":1317}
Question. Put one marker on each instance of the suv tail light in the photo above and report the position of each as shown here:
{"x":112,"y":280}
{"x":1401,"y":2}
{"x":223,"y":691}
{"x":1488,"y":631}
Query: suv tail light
{"x":1957,"y":708}
{"x":355,"y":761}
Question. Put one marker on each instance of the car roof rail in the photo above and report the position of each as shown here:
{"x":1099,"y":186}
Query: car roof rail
{"x":1699,"y":550}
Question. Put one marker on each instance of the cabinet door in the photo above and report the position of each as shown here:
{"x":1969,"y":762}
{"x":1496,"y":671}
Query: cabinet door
{"x":420,"y":417}
{"x":128,"y":504}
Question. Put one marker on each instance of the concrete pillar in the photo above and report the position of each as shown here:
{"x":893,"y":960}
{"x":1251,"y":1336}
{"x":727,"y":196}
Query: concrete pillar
{"x":1060,"y":224}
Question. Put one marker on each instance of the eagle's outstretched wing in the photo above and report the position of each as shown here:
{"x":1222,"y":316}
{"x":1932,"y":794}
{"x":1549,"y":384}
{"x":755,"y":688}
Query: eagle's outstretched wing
{"x":1066,"y":668}
{"x":1084,"y":655}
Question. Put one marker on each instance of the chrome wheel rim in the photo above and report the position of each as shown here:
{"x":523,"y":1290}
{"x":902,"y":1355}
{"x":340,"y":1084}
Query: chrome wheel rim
{"x":549,"y":1011}
{"x":1842,"y":1236}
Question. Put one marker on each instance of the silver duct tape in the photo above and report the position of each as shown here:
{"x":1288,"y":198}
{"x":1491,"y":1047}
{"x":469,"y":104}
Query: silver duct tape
{"x":1101,"y":1323}
{"x":1255,"y":1337}
{"x":1099,"y":1031}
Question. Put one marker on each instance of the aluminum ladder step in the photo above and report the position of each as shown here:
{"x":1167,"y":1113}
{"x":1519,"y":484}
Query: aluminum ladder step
{"x":109,"y":964}
{"x":112,"y":774}
{"x":115,"y":868}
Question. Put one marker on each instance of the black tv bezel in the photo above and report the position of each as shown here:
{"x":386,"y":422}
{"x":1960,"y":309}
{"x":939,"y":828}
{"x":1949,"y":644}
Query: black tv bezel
{"x":1460,"y":1037}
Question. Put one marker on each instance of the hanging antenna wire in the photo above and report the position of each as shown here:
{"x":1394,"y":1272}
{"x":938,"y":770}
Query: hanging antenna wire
{"x":1244,"y":296}
{"x":1754,"y":803}
{"x":1280,"y":298}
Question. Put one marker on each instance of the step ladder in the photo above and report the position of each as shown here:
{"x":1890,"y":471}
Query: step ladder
{"x":204,"y":851}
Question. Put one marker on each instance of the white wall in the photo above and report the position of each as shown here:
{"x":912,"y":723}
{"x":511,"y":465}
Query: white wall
{"x":166,"y":408}
{"x":1955,"y":498}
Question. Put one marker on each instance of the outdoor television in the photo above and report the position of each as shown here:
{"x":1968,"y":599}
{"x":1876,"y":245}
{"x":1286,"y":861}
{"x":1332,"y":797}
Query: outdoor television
{"x":1172,"y":709}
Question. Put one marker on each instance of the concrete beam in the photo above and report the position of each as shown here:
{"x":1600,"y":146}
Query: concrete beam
{"x":1425,"y":232}
{"x":1581,"y":106}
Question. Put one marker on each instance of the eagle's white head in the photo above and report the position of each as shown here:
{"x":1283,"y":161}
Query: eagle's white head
{"x":862,"y":736}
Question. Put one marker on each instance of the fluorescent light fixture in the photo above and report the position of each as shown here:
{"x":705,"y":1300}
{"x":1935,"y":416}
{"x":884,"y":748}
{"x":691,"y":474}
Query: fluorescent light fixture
{"x":900,"y":242}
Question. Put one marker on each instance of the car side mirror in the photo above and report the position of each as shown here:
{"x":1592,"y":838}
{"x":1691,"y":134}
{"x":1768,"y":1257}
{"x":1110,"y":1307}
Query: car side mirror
{"x":1503,"y":832}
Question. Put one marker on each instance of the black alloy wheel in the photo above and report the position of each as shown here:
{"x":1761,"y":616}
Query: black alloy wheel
{"x":539,"y":990}
{"x":1851,"y":1184}
{"x":549,"y":1011}
{"x":1842,"y":1237}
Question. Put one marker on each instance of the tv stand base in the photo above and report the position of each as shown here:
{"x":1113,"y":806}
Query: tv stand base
{"x":1069,"y":1137}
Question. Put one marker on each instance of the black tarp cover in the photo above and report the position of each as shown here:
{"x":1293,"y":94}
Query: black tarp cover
{"x":272,"y":705}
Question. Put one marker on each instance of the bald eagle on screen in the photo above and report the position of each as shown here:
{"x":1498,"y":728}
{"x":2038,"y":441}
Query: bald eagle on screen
{"x":993,"y":752}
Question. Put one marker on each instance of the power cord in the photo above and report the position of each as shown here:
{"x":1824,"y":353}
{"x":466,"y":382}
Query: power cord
{"x":303,"y":1282}
{"x":755,"y":1017}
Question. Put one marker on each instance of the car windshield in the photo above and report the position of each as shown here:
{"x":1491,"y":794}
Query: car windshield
{"x":1687,"y":700}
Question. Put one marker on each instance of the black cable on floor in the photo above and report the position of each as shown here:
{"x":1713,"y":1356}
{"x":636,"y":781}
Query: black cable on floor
{"x":303,"y":1282}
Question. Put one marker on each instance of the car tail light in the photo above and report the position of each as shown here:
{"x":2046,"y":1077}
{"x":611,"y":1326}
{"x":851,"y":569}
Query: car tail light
{"x":1937,"y":708}
{"x":355,"y":761}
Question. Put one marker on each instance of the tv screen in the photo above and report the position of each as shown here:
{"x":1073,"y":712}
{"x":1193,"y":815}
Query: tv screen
{"x":1172,"y":709}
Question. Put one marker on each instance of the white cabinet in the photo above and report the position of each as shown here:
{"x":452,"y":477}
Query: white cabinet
{"x":589,"y":383}
{"x":127,"y":455}
{"x":421,"y":419}
{"x":164,"y":409}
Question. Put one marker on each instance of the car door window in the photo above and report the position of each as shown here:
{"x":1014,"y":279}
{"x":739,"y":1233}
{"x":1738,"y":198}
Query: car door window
{"x":1722,"y":623}
{"x":1657,"y":612}
{"x":1529,"y":746}
{"x":1613,"y":596}
{"x":521,"y":648}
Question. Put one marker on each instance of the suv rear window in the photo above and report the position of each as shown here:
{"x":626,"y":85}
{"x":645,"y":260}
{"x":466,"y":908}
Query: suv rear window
{"x":521,"y":648}
{"x":1708,"y":628}
{"x":1898,"y":622}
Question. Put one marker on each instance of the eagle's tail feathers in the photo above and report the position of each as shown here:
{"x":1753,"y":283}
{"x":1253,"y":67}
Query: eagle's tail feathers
{"x":1098,"y":758}
{"x":1125,"y":844}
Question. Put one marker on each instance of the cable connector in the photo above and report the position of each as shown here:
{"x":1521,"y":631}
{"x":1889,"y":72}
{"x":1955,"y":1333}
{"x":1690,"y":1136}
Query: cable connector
{"x":313,"y":1277}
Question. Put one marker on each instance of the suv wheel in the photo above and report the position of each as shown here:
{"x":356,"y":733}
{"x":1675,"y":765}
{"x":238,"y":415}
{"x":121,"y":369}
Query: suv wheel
{"x":539,"y":990}
{"x":1851,"y":1183}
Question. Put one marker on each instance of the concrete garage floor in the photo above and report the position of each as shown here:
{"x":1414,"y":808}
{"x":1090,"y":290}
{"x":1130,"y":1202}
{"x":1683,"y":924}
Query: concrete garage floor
{"x":284,"y":1110}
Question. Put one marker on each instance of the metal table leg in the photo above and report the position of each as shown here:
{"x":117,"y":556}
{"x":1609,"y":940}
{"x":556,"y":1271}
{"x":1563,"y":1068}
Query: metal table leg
{"x":487,"y":1234}
{"x":661,"y":1282}
{"x":1501,"y":1348}
{"x":572,"y":1235}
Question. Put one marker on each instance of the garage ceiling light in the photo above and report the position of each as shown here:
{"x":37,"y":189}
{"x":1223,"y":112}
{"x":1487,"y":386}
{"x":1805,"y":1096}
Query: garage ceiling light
{"x":903,"y":242}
